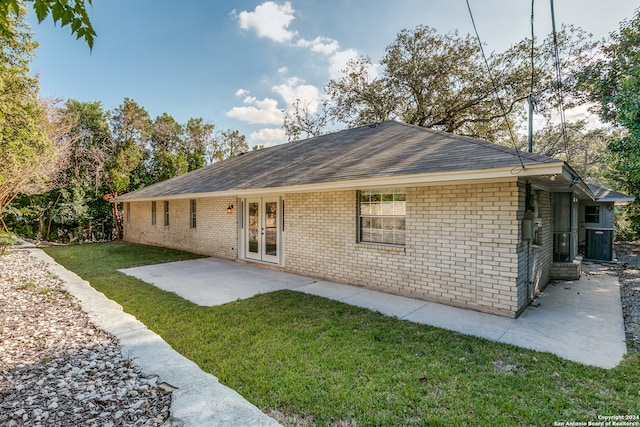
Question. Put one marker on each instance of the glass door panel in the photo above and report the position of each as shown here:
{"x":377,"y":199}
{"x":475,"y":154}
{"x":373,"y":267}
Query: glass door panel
{"x":253,"y":230}
{"x":271,"y":228}
{"x":262,"y":230}
{"x":254,"y":227}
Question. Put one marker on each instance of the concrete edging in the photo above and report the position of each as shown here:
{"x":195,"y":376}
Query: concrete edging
{"x":199,"y":399}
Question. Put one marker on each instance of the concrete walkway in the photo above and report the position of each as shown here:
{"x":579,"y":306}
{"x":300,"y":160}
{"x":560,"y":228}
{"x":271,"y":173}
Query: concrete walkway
{"x":577,"y":320}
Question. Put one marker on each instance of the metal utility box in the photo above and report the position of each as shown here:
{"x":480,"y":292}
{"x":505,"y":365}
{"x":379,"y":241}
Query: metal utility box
{"x":599,"y":244}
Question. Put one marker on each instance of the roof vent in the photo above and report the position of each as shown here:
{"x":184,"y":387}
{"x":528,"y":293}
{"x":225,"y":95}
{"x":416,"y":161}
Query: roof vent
{"x":373,"y":125}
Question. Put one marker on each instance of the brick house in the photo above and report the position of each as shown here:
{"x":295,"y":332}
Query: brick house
{"x":390,"y":206}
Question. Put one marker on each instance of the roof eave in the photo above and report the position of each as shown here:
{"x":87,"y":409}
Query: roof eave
{"x":478,"y":175}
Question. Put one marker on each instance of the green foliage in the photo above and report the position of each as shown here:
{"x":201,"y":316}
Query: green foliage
{"x":334,"y":364}
{"x":585,"y":150}
{"x":300,"y":122}
{"x":24,"y":145}
{"x":110,"y":153}
{"x":231,"y":144}
{"x":63,"y":12}
{"x":440,"y":81}
{"x":612,"y":81}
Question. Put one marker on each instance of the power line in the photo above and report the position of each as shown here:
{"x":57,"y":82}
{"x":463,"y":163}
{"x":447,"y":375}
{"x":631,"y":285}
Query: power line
{"x":530,"y":98}
{"x":563,"y":121}
{"x":495,"y":87}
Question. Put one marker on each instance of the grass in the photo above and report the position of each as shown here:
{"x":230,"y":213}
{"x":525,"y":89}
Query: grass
{"x":329,"y":363}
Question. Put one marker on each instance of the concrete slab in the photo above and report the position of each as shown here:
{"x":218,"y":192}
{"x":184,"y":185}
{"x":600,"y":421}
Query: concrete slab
{"x":199,"y":399}
{"x":212,"y":281}
{"x":577,"y":320}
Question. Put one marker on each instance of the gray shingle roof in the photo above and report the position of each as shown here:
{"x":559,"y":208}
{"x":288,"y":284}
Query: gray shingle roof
{"x":605,"y":195}
{"x":387,"y":149}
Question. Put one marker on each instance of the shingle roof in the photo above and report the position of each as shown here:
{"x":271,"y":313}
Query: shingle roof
{"x":605,"y":195}
{"x":386,"y":149}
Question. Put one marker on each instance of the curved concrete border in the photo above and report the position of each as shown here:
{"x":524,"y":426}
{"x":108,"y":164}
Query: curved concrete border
{"x":199,"y":399}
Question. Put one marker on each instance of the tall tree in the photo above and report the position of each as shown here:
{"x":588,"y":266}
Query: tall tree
{"x":300,"y":122}
{"x":585,"y":149}
{"x":91,"y":140}
{"x":24,"y":144}
{"x":130,"y":132}
{"x":168,"y":158}
{"x":231,"y":144}
{"x":441,"y":82}
{"x":612,"y":82}
{"x":200,"y":145}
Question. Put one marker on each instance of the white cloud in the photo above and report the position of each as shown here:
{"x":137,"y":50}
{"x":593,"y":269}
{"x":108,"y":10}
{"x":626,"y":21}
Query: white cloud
{"x":269,"y":136}
{"x":338,"y":62}
{"x":269,"y":20}
{"x":242,"y":92}
{"x":320,"y":44}
{"x":295,"y":89}
{"x":282,"y":70}
{"x":257,"y":111}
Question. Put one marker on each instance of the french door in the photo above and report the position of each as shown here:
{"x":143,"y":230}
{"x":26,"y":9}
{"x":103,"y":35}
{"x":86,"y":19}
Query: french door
{"x":262,"y":229}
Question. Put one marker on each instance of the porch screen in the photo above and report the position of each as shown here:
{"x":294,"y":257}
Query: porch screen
{"x":381,"y":216}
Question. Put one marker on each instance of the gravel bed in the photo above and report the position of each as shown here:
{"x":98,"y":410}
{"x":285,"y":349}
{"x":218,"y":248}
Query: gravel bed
{"x":56,"y":367}
{"x":629,"y":257}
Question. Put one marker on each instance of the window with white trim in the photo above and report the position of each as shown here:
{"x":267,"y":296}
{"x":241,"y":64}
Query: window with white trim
{"x":153,"y":213}
{"x":166,"y":212}
{"x":381,"y":216}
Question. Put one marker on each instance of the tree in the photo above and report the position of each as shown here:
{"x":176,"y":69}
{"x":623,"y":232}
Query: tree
{"x":586,"y":149}
{"x":24,"y":145}
{"x":612,"y":82}
{"x":300,"y":122}
{"x":168,"y":159}
{"x":130,"y":132}
{"x":65,"y":12}
{"x":231,"y":144}
{"x":200,"y":144}
{"x":441,"y":82}
{"x":90,"y":138}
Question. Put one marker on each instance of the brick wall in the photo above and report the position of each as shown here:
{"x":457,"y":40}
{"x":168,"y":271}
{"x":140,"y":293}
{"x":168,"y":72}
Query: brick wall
{"x":461,"y":245}
{"x":463,"y":242}
{"x":215,"y":232}
{"x":535,"y":257}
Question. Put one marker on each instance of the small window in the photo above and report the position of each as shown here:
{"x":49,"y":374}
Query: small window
{"x":192,"y":212}
{"x":128,"y":212}
{"x":592,"y":214}
{"x":166,"y":212}
{"x":153,"y":213}
{"x":381,"y":216}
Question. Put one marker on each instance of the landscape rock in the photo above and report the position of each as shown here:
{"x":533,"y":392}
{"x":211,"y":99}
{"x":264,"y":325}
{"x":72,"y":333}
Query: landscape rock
{"x":56,"y":367}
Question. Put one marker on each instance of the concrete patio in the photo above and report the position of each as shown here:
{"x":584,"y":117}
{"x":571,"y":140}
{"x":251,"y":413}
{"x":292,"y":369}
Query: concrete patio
{"x":576,"y":320}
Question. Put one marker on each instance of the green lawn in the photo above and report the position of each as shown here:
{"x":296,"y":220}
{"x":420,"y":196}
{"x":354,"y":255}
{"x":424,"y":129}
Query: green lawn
{"x":335,"y":364}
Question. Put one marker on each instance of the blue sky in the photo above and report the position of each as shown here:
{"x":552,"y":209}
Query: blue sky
{"x":239,"y":63}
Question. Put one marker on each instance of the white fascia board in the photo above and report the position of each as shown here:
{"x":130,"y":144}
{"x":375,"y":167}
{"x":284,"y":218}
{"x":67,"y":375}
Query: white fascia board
{"x":475,"y":176}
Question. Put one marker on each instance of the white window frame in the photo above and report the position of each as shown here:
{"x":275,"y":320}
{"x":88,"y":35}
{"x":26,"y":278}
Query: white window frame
{"x":382,"y":216}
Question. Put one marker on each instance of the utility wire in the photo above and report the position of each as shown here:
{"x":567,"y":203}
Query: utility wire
{"x":563,"y":121}
{"x":530,"y":98}
{"x":533,"y":70}
{"x":495,"y":86}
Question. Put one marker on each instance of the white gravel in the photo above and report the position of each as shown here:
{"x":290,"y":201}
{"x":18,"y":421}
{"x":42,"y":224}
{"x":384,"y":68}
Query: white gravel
{"x":56,"y":367}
